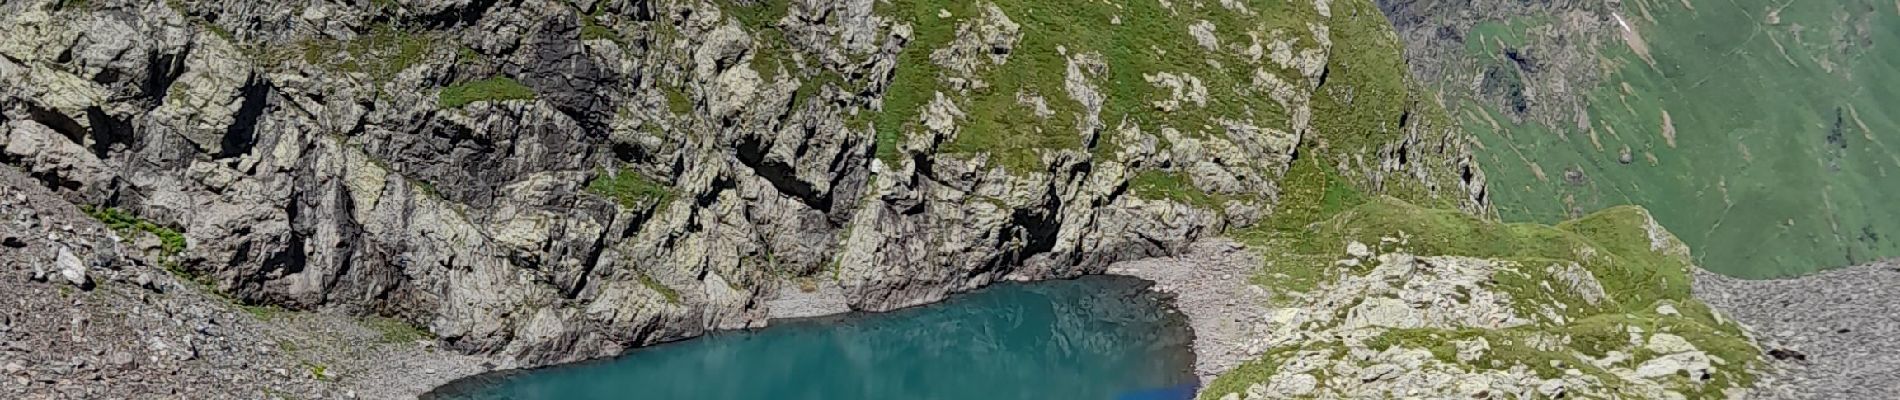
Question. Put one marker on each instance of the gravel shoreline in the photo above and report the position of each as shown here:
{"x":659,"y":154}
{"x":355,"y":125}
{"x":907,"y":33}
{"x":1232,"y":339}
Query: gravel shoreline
{"x":1834,"y":334}
{"x":1210,"y":286}
{"x":373,"y":370}
{"x":793,"y":301}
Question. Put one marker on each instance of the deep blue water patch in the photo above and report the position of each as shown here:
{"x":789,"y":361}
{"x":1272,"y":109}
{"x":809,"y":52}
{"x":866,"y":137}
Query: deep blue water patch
{"x":1091,"y":338}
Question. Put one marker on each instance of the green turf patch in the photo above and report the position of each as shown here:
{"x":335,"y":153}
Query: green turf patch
{"x":677,"y":102}
{"x":171,"y":243}
{"x":381,"y":52}
{"x":672,"y":296}
{"x":492,"y":89}
{"x":630,"y":189}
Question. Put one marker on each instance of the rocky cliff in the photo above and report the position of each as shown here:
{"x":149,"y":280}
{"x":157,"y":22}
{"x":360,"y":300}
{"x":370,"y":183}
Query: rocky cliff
{"x":85,"y":317}
{"x":545,"y":181}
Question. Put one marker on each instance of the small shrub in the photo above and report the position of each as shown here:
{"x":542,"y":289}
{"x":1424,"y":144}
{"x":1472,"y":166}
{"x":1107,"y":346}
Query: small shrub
{"x":427,"y":188}
{"x":319,"y":372}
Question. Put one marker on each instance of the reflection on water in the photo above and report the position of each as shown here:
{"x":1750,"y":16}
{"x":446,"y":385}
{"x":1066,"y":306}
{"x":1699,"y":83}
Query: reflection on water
{"x":1091,"y":338}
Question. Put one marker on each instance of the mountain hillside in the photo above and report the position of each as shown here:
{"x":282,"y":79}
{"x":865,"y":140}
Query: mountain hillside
{"x":531,"y":182}
{"x":550,"y":181}
{"x":1759,"y":131}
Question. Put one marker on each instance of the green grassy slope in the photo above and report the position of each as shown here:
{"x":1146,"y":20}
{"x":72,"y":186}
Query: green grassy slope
{"x":1133,"y":38}
{"x":1786,"y":156}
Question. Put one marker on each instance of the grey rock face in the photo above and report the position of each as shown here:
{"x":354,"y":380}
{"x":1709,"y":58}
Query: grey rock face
{"x":676,"y":163}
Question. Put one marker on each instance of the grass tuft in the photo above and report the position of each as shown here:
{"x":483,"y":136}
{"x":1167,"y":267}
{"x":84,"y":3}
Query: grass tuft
{"x":1176,"y":186}
{"x":677,"y":102}
{"x":672,"y":296}
{"x":171,"y":242}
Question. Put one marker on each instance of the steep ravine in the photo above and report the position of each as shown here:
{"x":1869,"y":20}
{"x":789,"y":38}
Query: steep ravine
{"x":535,"y":182}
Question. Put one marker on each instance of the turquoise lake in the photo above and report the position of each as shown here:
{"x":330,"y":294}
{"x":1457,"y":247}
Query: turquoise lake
{"x":1089,"y":338}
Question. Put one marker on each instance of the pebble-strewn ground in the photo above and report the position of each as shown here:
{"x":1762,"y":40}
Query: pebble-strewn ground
{"x":794,"y":301}
{"x":1210,"y":286}
{"x":1833,"y":335}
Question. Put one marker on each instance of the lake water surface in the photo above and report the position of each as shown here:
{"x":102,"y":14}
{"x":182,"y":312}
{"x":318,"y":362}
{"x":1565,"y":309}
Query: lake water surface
{"x":1090,"y":338}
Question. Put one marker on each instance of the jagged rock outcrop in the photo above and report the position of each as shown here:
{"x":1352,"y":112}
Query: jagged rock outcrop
{"x":1389,"y":299}
{"x":90,"y":313}
{"x":1547,"y":72}
{"x":548,"y":181}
